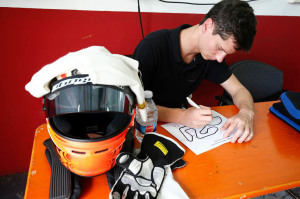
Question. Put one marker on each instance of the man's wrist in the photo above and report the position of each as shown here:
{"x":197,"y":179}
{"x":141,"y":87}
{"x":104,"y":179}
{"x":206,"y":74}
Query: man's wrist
{"x":248,"y":112}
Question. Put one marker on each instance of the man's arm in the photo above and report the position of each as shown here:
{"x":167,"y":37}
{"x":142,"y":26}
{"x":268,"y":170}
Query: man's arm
{"x":243,"y":121}
{"x":191,"y":117}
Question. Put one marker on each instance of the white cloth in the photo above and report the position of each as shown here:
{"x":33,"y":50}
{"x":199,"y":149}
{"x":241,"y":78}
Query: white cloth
{"x":102,"y":67}
{"x":170,"y":188}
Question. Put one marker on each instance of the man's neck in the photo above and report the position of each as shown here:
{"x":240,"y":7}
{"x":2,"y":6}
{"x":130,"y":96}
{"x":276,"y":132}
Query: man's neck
{"x":189,"y":43}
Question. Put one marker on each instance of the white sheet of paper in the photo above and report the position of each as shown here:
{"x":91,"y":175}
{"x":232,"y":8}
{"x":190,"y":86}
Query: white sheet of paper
{"x":202,"y":139}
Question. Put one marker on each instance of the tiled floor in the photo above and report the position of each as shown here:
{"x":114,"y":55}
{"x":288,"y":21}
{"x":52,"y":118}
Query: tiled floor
{"x":13,"y":187}
{"x":288,"y":194}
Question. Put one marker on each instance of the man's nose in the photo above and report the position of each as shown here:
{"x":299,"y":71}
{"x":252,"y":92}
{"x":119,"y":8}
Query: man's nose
{"x":220,"y":56}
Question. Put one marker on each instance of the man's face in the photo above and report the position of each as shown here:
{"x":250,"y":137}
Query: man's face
{"x":213,"y":47}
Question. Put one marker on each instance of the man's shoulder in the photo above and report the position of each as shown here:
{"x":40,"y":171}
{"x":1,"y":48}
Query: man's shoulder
{"x":160,"y":42}
{"x":158,"y":36}
{"x":155,"y":42}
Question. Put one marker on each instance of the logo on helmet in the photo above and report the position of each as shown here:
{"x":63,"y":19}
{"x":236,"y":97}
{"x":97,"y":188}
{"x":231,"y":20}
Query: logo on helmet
{"x":73,"y":81}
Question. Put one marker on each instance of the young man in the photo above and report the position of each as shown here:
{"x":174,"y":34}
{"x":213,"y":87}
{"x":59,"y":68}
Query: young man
{"x":174,"y":62}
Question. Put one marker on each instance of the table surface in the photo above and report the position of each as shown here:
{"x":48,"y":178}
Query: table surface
{"x":270,"y":162}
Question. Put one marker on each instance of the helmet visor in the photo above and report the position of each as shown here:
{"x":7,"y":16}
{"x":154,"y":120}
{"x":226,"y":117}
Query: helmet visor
{"x":89,"y":98}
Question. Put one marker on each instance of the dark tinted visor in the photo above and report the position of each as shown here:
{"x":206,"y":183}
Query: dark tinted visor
{"x":89,"y":98}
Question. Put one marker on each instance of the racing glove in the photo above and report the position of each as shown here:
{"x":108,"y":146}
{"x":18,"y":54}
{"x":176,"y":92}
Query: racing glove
{"x":142,"y":177}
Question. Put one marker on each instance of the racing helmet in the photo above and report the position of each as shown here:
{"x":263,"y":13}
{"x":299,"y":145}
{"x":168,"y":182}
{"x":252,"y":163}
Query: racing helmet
{"x":88,"y":122}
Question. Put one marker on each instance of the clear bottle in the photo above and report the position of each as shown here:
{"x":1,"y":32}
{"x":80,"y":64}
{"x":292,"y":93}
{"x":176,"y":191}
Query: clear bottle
{"x":152,"y":115}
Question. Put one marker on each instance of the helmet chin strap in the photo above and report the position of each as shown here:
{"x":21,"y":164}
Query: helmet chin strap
{"x":61,"y":176}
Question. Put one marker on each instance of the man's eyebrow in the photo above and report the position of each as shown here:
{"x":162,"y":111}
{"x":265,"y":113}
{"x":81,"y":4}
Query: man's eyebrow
{"x":228,"y":52}
{"x":223,"y":49}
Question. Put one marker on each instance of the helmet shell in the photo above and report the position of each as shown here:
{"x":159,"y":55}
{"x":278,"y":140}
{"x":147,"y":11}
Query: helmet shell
{"x":89,"y":158}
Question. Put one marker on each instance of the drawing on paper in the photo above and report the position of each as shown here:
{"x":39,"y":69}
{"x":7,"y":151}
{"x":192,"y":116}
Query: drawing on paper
{"x":202,"y":139}
{"x":208,"y":130}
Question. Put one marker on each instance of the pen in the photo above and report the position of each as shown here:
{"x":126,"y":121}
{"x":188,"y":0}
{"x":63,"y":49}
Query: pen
{"x":192,"y":103}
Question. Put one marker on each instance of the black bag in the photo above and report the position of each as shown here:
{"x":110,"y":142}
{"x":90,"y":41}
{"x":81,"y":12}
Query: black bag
{"x":288,"y":109}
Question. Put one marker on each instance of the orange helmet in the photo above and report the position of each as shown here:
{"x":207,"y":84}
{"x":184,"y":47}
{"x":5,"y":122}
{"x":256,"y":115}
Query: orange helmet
{"x":88,"y":122}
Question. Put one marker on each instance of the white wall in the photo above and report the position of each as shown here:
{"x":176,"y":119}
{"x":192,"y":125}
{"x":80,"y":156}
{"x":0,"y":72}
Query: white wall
{"x":261,"y":7}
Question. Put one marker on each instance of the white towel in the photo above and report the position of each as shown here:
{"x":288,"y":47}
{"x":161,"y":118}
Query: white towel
{"x":102,"y":67}
{"x":170,"y":188}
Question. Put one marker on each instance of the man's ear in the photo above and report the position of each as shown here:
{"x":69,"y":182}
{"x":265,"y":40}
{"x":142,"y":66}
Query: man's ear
{"x":207,"y":25}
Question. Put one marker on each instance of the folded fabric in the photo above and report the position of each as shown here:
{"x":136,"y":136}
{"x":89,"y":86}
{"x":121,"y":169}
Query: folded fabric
{"x":170,"y":188}
{"x":97,"y":62}
{"x":288,"y":109}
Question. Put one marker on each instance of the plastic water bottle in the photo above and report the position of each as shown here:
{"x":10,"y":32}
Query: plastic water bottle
{"x":150,"y":125}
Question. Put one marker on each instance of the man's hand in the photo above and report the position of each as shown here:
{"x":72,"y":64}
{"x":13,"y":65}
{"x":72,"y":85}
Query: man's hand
{"x":243,"y":123}
{"x":196,"y":118}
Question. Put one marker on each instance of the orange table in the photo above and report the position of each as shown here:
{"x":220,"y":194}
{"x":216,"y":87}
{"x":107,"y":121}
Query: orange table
{"x":269,"y":163}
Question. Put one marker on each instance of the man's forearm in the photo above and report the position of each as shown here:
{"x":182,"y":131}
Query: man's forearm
{"x":191,"y":117}
{"x":244,"y":101}
{"x":170,"y":114}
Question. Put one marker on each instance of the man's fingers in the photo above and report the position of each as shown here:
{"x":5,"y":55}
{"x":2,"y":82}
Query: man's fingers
{"x":237,"y":134}
{"x":225,"y":126}
{"x":230,"y":128}
{"x":241,"y":127}
{"x":204,"y":107}
{"x":204,"y":112}
{"x":242,"y":132}
{"x":250,"y":137}
{"x":206,"y":119}
{"x":197,"y":118}
{"x":244,"y":135}
{"x":198,"y":124}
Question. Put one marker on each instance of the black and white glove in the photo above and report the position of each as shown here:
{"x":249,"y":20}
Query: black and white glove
{"x":142,"y":177}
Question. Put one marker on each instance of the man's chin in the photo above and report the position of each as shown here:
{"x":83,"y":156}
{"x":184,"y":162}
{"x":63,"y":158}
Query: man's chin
{"x":207,"y":58}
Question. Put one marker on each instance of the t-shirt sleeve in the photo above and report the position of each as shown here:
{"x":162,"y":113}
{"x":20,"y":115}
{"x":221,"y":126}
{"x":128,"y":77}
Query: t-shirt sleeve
{"x":144,"y":54}
{"x":218,"y":72}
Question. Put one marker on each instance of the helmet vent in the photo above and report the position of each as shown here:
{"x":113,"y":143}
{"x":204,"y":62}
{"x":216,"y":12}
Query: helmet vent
{"x":78,"y":152}
{"x":94,"y":135}
{"x":101,"y":151}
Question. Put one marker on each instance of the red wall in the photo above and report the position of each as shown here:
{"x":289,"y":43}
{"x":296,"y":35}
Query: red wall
{"x":32,"y":38}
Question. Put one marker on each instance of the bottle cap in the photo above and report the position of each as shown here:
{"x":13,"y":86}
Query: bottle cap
{"x":148,"y":94}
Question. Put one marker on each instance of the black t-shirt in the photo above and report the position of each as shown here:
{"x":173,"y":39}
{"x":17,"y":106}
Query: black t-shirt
{"x":166,"y":74}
